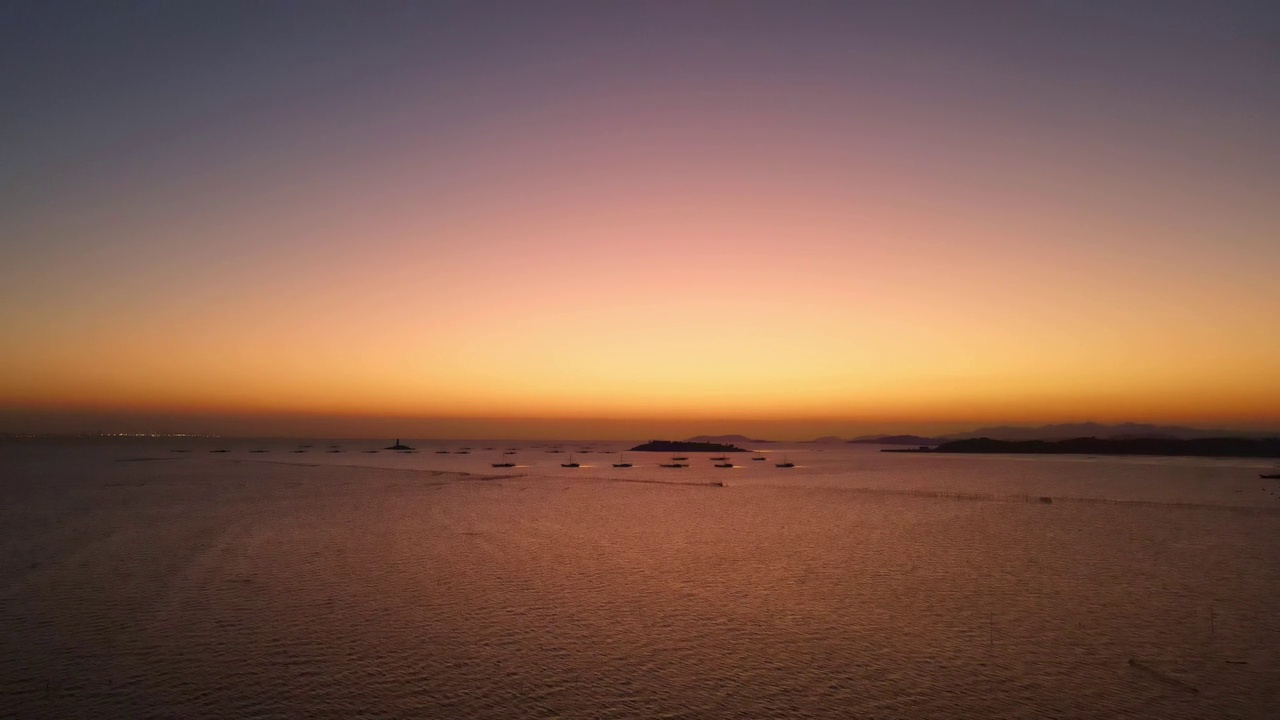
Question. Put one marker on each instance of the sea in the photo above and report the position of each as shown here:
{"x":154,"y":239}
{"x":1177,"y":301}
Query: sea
{"x":242,"y":578}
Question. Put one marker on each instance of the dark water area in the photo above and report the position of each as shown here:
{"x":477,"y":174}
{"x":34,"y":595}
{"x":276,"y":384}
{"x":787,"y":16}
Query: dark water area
{"x":136,"y":581}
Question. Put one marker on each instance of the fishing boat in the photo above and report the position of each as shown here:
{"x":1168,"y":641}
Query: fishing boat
{"x":503,"y":462}
{"x":786,"y":463}
{"x":725,"y":464}
{"x":675,"y":463}
{"x":622,"y":462}
{"x":571,"y":463}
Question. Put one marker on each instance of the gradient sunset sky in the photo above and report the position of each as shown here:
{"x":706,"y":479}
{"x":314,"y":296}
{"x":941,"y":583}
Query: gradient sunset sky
{"x":619,"y":219}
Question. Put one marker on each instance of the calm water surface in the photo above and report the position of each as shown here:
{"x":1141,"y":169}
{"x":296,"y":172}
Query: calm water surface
{"x":140,"y":582}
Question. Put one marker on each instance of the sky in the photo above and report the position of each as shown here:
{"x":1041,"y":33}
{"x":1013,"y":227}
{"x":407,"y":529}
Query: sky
{"x":533,"y":219}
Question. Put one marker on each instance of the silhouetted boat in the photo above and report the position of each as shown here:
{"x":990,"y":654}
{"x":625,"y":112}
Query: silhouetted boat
{"x":786,"y":463}
{"x":720,"y":458}
{"x":571,"y":463}
{"x":398,"y":446}
{"x":622,"y":462}
{"x":725,"y":465}
{"x":299,"y":451}
{"x":679,"y":458}
{"x":219,"y":451}
{"x":509,"y":452}
{"x":503,"y":463}
{"x":442,"y":452}
{"x":759,"y":458}
{"x":675,"y":463}
{"x":1270,"y":477}
{"x":462,"y":452}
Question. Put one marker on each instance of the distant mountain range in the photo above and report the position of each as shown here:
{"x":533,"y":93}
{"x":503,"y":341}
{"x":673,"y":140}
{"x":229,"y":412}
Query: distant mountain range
{"x":1122,"y":431}
{"x":1201,"y":447}
{"x":1064,"y":431}
{"x":897,"y":440}
{"x":727,"y":439}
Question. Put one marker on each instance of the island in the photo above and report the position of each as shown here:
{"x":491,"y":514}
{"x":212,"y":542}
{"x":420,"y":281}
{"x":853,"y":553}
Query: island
{"x":669,"y":446}
{"x":1196,"y":447}
{"x":399,"y":446}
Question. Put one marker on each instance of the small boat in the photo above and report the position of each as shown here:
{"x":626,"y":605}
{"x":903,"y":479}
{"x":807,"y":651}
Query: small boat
{"x":675,"y":463}
{"x":1270,"y":477}
{"x":442,"y":452}
{"x":503,"y":463}
{"x":571,"y":463}
{"x":509,"y":452}
{"x":555,"y":451}
{"x":257,"y":451}
{"x":298,"y":451}
{"x":622,"y":462}
{"x":462,"y":452}
{"x":371,"y":452}
{"x":335,"y":451}
{"x":679,"y":458}
{"x":786,"y":463}
{"x":720,"y":458}
{"x":725,"y":464}
{"x":219,"y":451}
{"x":757,"y":458}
